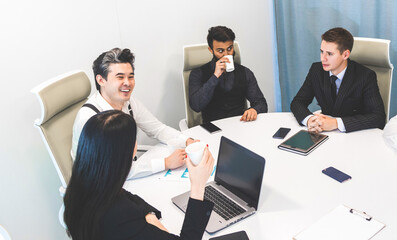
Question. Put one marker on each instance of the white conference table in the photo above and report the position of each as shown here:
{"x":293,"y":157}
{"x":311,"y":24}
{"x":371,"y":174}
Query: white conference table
{"x":295,"y":193}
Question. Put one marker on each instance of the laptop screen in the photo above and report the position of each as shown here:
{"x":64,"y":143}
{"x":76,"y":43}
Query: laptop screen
{"x":240,"y":171}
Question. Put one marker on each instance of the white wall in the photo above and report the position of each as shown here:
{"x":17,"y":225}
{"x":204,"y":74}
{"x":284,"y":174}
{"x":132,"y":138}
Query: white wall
{"x":42,"y":39}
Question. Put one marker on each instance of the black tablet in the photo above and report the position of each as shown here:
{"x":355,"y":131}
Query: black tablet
{"x":303,"y":142}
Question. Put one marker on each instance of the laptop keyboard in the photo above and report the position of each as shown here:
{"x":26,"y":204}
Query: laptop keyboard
{"x":222,"y":205}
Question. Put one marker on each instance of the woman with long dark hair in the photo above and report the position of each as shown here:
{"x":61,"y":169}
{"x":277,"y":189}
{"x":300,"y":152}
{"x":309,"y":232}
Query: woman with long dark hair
{"x":97,"y":206}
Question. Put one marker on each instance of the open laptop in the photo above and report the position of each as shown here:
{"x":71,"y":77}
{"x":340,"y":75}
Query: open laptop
{"x":236,"y":188}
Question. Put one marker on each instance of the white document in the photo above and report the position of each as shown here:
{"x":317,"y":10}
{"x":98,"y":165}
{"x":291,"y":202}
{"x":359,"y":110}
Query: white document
{"x":180,"y":174}
{"x":343,"y":223}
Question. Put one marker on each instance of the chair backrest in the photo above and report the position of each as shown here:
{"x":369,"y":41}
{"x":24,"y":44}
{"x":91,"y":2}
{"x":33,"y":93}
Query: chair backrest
{"x":195,"y":56}
{"x":374,"y":54}
{"x":60,"y":99}
{"x":4,"y":235}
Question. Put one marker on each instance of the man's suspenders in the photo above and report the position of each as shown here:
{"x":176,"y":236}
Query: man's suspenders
{"x":89,"y":105}
{"x":95,"y":109}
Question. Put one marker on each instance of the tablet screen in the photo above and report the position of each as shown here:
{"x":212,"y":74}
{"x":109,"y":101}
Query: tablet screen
{"x":304,"y":140}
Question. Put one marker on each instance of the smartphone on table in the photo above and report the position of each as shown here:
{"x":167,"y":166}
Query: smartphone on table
{"x":210,"y":127}
{"x":281,"y":133}
{"x":336,"y":174}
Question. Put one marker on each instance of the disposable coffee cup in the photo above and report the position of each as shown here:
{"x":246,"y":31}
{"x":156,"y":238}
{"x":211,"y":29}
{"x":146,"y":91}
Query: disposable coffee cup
{"x":230,"y":64}
{"x":174,"y":144}
{"x":195,"y":152}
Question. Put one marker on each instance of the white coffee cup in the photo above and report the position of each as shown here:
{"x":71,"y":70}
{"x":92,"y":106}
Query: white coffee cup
{"x":174,"y":144}
{"x":195,"y":152}
{"x":230,"y":64}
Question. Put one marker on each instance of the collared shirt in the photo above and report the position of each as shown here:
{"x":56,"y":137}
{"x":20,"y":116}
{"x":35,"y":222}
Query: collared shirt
{"x":150,"y":162}
{"x":338,"y":82}
{"x":390,"y":133}
{"x":201,"y":94}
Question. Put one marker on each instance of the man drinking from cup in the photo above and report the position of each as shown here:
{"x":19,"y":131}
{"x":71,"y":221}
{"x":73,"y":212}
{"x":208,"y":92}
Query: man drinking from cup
{"x":220,"y":88}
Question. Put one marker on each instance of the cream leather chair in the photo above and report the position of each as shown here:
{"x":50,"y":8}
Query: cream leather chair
{"x":195,"y":56}
{"x":60,"y":99}
{"x":4,"y":235}
{"x":374,"y":54}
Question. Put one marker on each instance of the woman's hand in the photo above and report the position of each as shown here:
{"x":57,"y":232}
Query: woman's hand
{"x":199,"y":174}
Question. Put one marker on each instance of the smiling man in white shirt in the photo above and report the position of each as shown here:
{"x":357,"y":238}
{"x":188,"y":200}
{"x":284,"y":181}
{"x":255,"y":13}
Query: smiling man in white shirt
{"x":115,"y":81}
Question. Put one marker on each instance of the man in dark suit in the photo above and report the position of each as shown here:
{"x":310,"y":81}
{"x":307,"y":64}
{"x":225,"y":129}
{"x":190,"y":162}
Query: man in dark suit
{"x":346,"y":91}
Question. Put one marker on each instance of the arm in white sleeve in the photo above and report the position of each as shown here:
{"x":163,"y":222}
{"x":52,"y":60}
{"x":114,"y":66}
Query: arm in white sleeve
{"x":151,"y":125}
{"x":341,"y":125}
{"x":304,"y":121}
{"x":150,"y":162}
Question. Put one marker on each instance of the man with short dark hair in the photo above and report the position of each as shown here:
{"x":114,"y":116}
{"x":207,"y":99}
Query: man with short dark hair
{"x":219,"y":94}
{"x":115,"y":80}
{"x":346,"y":91}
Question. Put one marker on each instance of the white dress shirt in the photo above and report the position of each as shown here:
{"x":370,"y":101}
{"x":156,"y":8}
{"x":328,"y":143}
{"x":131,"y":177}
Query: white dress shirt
{"x":390,"y":133}
{"x":338,"y":82}
{"x":150,"y":162}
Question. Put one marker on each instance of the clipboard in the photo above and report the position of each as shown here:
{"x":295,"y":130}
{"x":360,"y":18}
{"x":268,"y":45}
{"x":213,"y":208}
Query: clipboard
{"x":342,"y":223}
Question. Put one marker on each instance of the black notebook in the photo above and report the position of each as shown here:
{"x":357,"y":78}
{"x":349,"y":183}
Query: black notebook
{"x":242,"y":235}
{"x":303,"y":142}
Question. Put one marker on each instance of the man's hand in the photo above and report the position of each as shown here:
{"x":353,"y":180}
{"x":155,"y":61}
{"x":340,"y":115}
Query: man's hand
{"x":327,"y":123}
{"x":176,"y":159}
{"x":220,"y":66}
{"x":321,"y":122}
{"x":249,"y":115}
{"x":190,"y":141}
{"x":313,"y":124}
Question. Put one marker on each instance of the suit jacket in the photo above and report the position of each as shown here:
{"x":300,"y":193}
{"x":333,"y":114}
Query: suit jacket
{"x":125,"y":219}
{"x":358,"y":102}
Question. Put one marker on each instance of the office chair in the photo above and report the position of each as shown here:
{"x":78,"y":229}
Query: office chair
{"x":60,"y":99}
{"x":4,"y":234}
{"x":374,"y":54}
{"x":195,"y":56}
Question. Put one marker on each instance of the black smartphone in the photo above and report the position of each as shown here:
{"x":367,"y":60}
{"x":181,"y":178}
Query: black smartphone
{"x":336,"y":174}
{"x":281,"y":133}
{"x":210,"y":127}
{"x":241,"y":235}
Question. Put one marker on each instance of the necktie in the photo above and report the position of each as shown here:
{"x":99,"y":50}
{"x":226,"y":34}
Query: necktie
{"x":333,"y":87}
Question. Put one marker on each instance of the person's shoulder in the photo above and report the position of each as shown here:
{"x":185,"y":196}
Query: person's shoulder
{"x":361,"y":72}
{"x":359,"y":68}
{"x":317,"y":66}
{"x":201,"y":68}
{"x":85,"y":113}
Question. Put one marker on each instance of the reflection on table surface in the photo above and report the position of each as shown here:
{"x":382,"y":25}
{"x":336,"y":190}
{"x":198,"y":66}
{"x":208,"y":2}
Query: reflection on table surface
{"x":295,"y":193}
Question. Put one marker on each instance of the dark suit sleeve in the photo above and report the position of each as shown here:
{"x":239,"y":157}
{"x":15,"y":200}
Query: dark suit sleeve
{"x":373,"y":113}
{"x":143,"y":205}
{"x":254,"y":94}
{"x":305,"y":95}
{"x":126,"y":222}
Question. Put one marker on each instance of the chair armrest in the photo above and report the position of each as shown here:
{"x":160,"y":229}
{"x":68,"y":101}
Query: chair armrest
{"x":144,"y":148}
{"x":183,"y":125}
{"x":62,"y":191}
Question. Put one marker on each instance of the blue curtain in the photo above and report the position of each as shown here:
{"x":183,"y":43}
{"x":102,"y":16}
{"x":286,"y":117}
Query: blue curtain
{"x":300,"y":24}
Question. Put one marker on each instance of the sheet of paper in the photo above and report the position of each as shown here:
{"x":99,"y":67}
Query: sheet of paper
{"x":341,"y":224}
{"x":180,"y":174}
